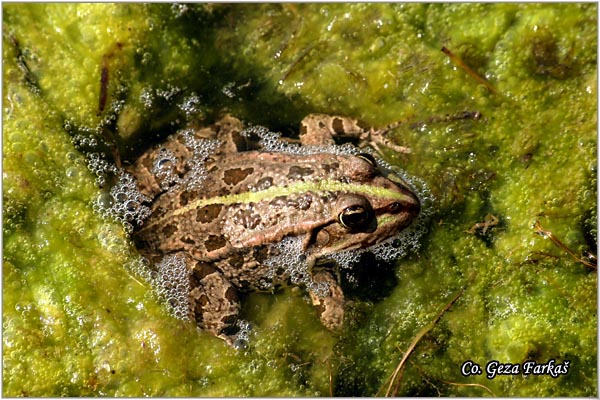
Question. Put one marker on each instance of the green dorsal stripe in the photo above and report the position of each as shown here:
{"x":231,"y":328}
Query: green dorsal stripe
{"x":295,"y":188}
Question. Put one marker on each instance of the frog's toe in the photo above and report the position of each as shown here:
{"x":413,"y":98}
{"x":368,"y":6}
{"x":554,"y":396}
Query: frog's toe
{"x":330,"y":306}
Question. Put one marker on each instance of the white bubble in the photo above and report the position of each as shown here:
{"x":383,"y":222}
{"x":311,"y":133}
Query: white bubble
{"x":201,"y":149}
{"x":172,"y":284}
{"x":125,"y":202}
{"x":163,"y":168}
{"x":147,"y":97}
{"x":227,"y":90}
{"x":271,"y":142}
{"x":169,"y":92}
{"x":289,"y":255}
{"x":190,"y":105}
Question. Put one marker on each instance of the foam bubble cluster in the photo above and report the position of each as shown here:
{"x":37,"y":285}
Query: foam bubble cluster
{"x":242,"y":337}
{"x":80,"y":140}
{"x":172,"y":284}
{"x":163,"y":168}
{"x":271,"y":142}
{"x":149,"y":97}
{"x":201,"y":151}
{"x":168,"y":93}
{"x":100,"y":167}
{"x":126,"y":202}
{"x":227,"y":90}
{"x":290,"y":256}
{"x":190,"y":105}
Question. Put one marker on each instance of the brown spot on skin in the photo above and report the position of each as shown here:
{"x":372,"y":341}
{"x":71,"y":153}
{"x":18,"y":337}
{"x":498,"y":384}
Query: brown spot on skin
{"x":320,"y":307}
{"x":261,"y":254}
{"x":236,"y":175}
{"x":264,"y":183}
{"x":278,"y":201}
{"x":328,"y":197}
{"x":169,"y":230}
{"x":198,"y":318}
{"x":230,"y":294}
{"x":159,"y":212}
{"x":328,"y":168}
{"x":304,"y":202}
{"x":297,"y":172}
{"x":338,"y":125}
{"x":185,"y":197}
{"x":303,"y":129}
{"x":236,"y":261}
{"x":188,"y":241}
{"x":215,"y":242}
{"x":239,"y":141}
{"x":203,"y":269}
{"x":208,"y":213}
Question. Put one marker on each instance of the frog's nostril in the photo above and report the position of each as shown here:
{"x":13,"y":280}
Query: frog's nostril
{"x":395,"y":207}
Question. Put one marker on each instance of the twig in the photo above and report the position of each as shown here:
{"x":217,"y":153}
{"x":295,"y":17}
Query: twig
{"x":414,"y":343}
{"x":547,"y":234}
{"x":470,"y":384}
{"x":461,"y":64}
{"x":489,"y":221}
{"x":302,"y":55}
{"x":451,"y":383}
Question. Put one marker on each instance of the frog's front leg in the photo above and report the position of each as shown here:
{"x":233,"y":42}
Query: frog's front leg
{"x":330,"y":304}
{"x":214,"y":301}
{"x":321,"y":129}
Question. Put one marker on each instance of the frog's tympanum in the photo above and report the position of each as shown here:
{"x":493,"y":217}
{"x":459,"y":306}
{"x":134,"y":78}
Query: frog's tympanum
{"x":223,"y":205}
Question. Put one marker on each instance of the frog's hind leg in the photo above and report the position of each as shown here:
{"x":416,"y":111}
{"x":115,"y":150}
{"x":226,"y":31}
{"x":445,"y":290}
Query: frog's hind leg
{"x":214,"y":301}
{"x":321,"y":129}
{"x":166,"y":166}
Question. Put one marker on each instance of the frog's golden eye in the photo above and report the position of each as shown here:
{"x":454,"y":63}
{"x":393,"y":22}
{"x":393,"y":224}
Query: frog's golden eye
{"x":368,"y":158}
{"x":355,"y":217}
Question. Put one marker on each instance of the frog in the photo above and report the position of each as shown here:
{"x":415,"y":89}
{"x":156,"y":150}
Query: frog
{"x":224,"y":212}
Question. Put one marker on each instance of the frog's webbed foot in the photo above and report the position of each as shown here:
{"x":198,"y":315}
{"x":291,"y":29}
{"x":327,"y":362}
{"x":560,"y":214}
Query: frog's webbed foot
{"x":214,"y":302}
{"x":379,"y":137}
{"x":330,"y":305}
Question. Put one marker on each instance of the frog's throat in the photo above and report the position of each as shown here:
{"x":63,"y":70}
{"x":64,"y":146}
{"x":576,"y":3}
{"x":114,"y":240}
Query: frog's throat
{"x":295,"y":188}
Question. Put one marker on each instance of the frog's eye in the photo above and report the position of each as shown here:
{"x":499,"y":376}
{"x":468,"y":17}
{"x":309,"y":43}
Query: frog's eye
{"x":355,"y":217}
{"x":368,"y":158}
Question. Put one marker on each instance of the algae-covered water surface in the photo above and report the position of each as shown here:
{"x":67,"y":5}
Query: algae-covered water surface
{"x":499,"y":300}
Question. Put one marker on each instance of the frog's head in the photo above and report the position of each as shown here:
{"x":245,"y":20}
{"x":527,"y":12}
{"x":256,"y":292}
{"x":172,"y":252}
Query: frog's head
{"x":375,"y":205}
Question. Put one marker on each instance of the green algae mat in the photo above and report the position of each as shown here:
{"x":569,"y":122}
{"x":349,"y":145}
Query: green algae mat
{"x":499,"y":300}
